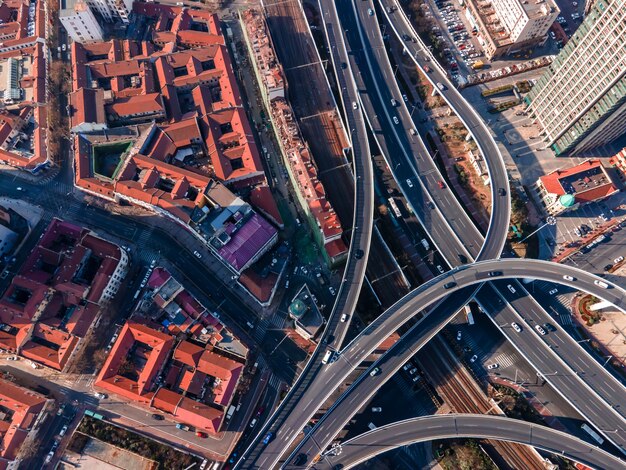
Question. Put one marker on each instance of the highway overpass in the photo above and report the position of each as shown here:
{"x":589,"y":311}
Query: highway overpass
{"x":362,"y":389}
{"x":352,"y":281}
{"x":429,"y":428}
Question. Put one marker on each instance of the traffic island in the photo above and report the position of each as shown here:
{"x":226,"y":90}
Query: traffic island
{"x":605,"y":330}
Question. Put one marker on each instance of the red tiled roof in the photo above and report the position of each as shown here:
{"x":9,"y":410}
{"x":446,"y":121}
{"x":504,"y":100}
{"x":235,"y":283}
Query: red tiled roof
{"x":552,"y":182}
{"x":261,"y":197}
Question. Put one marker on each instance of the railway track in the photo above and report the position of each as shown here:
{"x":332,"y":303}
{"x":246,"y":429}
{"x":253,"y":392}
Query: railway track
{"x":460,"y":391}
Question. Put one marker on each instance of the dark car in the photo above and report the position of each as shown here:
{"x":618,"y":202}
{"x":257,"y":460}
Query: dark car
{"x":158,"y":417}
{"x":344,"y":65}
{"x":494,"y":273}
{"x":430,"y":205}
{"x":549,"y":327}
{"x":501,"y":192}
{"x":449,"y":285}
{"x":358,"y":254}
{"x":607,"y":267}
{"x":300,"y":459}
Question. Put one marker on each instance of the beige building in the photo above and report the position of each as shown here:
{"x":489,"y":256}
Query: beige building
{"x":507,"y":26}
{"x":526,"y":20}
{"x":79,"y":22}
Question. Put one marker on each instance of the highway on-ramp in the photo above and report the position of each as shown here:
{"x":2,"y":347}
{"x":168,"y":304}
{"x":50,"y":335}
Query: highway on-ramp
{"x":593,"y":381}
{"x":429,"y":428}
{"x":362,"y":389}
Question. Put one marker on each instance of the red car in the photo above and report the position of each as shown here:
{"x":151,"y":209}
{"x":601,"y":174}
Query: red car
{"x":201,"y":434}
{"x":441,"y":184}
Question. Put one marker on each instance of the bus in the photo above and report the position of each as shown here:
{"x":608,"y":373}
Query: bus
{"x":394,"y":207}
{"x":592,"y":433}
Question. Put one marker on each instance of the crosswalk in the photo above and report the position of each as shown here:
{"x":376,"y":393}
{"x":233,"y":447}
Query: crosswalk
{"x":505,"y":360}
{"x":565,"y":319}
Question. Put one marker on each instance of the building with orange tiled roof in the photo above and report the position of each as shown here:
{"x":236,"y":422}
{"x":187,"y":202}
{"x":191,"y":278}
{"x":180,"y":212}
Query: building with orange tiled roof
{"x":295,"y":151}
{"x":54,"y":299}
{"x":159,"y":123}
{"x":192,"y":379}
{"x":568,"y":189}
{"x":23,"y":125}
{"x":20,"y":412}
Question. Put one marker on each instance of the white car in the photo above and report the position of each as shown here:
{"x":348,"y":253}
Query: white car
{"x":407,"y":366}
{"x":332,"y":290}
{"x":64,"y":47}
{"x":493,"y":366}
{"x":541,"y":331}
{"x":13,"y":358}
{"x":618,"y":260}
{"x":569,"y":278}
{"x":344,"y":317}
{"x":409,"y":183}
{"x":63,"y":431}
{"x":395,"y":120}
{"x":516,"y":327}
{"x":459,"y":335}
{"x":100,"y":396}
{"x":374,"y":372}
{"x":473,"y":358}
{"x":354,"y":105}
{"x":370,"y":12}
{"x":413,"y":371}
{"x":376,"y":409}
{"x":553,"y":291}
{"x":510,"y":287}
{"x":197,"y":255}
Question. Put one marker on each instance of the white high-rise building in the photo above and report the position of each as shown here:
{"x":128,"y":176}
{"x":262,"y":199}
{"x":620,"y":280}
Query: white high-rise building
{"x":525,"y":20}
{"x":79,"y":22}
{"x":580,"y":100}
{"x":112,"y":10}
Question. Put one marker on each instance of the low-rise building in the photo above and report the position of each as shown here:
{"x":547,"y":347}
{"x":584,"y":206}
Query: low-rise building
{"x":175,"y":357}
{"x":23,"y":75}
{"x":306,"y":315}
{"x":56,"y":295}
{"x":567,"y":189}
{"x":20,"y":411}
{"x":296,"y":154}
{"x":160,"y":124}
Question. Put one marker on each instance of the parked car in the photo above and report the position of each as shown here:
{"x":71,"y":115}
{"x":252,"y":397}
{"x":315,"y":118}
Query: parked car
{"x":495,"y":365}
{"x":473,"y":358}
{"x":158,"y":417}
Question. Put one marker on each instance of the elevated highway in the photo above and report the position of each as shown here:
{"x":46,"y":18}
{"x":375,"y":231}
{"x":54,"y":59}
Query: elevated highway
{"x":429,"y":428}
{"x":292,"y":408}
{"x":550,"y":365}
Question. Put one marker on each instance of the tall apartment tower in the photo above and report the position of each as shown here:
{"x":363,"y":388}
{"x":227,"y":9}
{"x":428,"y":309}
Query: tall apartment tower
{"x":580,"y":101}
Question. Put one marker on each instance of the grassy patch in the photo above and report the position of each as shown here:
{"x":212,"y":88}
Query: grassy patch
{"x":462,"y":454}
{"x":107,"y":158}
{"x":168,"y":457}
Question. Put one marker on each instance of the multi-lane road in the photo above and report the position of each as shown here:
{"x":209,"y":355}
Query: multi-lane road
{"x":429,"y":428}
{"x":292,"y":411}
{"x":361,"y":390}
{"x":548,"y":359}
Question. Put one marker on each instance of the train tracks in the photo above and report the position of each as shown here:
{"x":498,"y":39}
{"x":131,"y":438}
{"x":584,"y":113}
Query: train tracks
{"x":459,"y":390}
